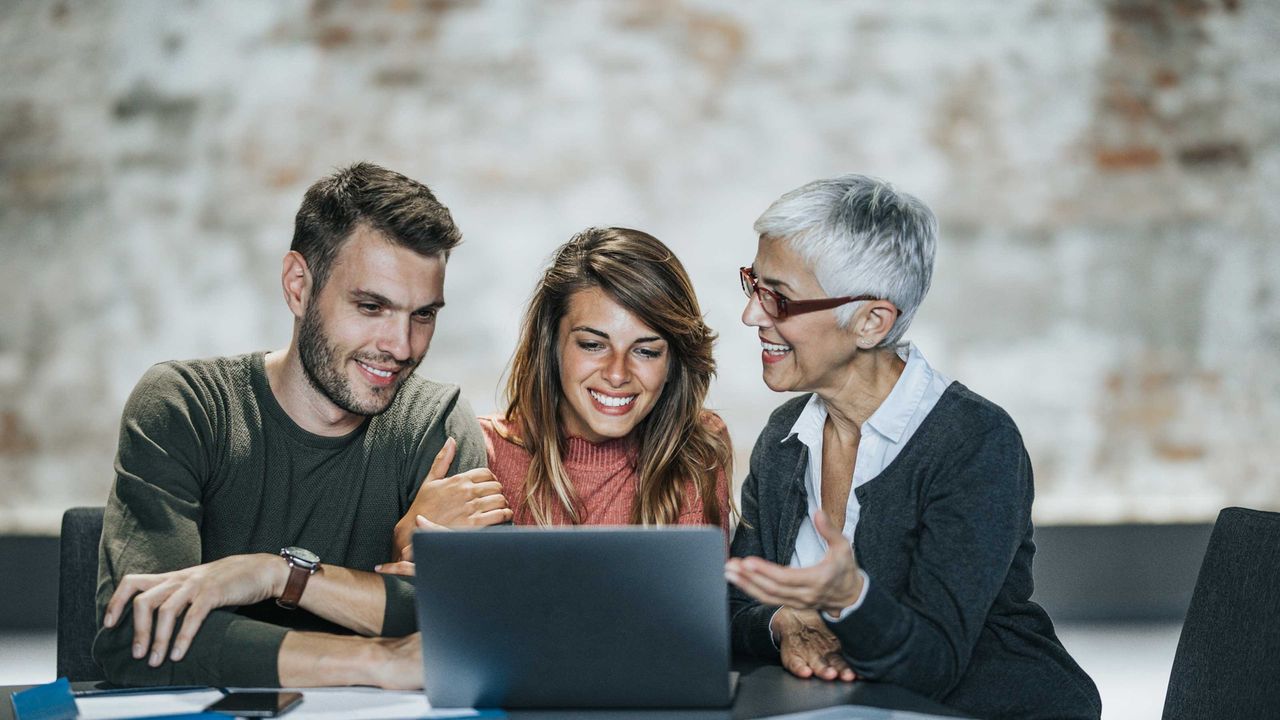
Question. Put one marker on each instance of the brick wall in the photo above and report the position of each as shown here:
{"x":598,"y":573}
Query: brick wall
{"x":1104,"y":173}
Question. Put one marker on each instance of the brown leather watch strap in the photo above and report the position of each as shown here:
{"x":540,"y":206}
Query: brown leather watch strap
{"x":302,"y":565}
{"x":292,"y":594}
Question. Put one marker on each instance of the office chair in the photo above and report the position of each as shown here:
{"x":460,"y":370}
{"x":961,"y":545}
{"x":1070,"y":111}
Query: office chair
{"x":77,"y":593}
{"x":1228,"y":659}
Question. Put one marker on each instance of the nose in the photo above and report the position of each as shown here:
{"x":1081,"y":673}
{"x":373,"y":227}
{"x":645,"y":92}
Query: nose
{"x":753,"y":315}
{"x":616,"y":372}
{"x":396,"y":338}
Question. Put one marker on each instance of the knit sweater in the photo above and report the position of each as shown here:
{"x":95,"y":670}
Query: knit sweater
{"x":945,"y":537}
{"x":603,"y":475}
{"x":210,"y":465}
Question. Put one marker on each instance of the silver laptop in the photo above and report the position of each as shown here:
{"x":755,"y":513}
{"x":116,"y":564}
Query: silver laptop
{"x":583,"y":617}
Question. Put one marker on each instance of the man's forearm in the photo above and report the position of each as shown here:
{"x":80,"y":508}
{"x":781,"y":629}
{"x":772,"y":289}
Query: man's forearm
{"x":353,"y":599}
{"x":229,"y":650}
{"x":319,"y":659}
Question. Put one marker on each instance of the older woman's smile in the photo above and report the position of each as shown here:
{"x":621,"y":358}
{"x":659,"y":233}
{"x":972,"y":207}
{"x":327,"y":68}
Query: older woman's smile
{"x":773,"y":352}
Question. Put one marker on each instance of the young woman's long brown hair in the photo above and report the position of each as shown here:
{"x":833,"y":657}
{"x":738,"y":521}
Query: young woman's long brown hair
{"x":675,"y":444}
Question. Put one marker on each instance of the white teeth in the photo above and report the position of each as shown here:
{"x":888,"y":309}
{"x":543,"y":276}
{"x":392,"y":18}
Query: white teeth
{"x":770,"y":347}
{"x":609,"y":401}
{"x":376,"y":371}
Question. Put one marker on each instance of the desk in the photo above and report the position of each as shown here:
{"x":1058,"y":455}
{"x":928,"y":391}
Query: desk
{"x":763,"y":690}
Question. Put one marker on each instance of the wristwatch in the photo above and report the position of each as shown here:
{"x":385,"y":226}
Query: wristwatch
{"x":302,"y":565}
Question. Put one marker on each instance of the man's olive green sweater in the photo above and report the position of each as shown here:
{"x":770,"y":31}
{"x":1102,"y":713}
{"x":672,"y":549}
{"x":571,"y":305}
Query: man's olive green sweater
{"x":210,"y":465}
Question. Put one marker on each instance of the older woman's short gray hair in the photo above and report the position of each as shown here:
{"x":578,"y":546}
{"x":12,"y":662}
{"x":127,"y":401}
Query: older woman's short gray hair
{"x":860,"y":236}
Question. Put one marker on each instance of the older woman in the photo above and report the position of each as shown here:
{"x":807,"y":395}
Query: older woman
{"x":887,"y":513}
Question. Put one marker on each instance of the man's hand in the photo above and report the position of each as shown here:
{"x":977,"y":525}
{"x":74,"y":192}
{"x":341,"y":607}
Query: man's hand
{"x":808,"y":648}
{"x":404,"y":566}
{"x":469,"y":499}
{"x":310,"y":659}
{"x":402,"y":670}
{"x":158,"y":600}
{"x":832,"y":585}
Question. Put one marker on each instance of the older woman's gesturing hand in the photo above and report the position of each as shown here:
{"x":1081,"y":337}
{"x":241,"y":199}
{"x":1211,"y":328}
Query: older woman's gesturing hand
{"x":831,"y":586}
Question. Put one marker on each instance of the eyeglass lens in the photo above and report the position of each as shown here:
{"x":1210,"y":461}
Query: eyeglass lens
{"x":768,"y":299}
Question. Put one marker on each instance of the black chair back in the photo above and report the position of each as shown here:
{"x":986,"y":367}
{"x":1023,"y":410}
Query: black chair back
{"x":77,"y":593}
{"x":1228,"y":659}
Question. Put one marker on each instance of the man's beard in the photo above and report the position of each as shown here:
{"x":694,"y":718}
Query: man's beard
{"x":326,"y":373}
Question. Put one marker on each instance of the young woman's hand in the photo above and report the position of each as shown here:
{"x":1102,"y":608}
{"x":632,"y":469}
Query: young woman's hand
{"x":469,"y":499}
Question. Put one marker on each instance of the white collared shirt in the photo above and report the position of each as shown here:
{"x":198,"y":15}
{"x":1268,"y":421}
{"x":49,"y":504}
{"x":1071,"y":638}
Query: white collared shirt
{"x":883,"y":436}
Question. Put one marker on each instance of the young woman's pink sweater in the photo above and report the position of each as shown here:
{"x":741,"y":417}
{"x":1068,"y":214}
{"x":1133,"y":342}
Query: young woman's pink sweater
{"x":603,"y":474}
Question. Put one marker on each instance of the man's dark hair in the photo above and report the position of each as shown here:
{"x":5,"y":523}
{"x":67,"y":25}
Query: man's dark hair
{"x":403,"y":210}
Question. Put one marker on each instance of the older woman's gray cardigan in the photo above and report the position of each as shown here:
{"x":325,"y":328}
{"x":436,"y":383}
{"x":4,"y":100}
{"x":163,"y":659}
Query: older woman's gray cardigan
{"x":945,"y":536}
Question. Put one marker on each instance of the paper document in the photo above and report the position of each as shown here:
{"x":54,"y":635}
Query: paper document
{"x":856,"y":712}
{"x":358,"y":703}
{"x":117,"y":706}
{"x":317,"y":704}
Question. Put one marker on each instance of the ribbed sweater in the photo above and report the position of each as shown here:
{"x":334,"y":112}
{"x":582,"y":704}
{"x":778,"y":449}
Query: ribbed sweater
{"x":210,"y":465}
{"x":603,"y":475}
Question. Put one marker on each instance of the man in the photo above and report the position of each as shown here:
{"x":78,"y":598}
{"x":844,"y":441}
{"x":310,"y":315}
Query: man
{"x":318,"y":448}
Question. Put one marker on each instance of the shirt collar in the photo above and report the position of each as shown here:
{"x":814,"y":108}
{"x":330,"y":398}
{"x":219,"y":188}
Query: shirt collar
{"x":894,"y":414}
{"x":890,"y":420}
{"x":808,"y":427}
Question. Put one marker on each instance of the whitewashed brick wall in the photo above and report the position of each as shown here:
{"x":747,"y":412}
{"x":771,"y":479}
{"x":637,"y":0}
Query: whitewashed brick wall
{"x":1105,"y":174}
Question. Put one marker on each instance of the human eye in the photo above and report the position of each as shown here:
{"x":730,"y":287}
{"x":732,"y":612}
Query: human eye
{"x":590,"y":345}
{"x":369,"y":308}
{"x":426,"y":315}
{"x":649,"y":353}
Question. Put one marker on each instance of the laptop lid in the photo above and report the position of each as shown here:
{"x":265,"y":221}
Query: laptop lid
{"x":574,"y":617}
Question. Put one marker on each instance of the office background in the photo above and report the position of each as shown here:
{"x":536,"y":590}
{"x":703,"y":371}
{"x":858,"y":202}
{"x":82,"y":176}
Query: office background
{"x":1104,"y":173}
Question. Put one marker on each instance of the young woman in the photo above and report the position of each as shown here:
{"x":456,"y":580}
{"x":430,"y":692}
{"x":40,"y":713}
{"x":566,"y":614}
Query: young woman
{"x":605,"y":422}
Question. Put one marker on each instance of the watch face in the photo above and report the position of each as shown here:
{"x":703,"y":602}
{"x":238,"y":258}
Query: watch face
{"x":302,"y":554}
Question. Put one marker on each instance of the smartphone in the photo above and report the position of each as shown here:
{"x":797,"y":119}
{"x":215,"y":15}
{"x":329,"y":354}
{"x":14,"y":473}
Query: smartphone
{"x":256,"y":704}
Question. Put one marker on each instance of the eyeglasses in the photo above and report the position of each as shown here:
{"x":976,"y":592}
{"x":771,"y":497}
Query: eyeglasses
{"x":781,"y":307}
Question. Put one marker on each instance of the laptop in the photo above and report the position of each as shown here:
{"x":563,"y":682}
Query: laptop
{"x":577,"y":617}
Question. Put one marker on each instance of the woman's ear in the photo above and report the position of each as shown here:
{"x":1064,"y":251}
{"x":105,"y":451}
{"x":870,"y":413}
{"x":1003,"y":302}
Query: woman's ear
{"x":876,"y":321}
{"x":295,"y":279}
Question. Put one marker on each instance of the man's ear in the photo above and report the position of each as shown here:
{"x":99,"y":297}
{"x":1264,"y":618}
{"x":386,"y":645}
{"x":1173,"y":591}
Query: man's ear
{"x":295,"y":279}
{"x":877,"y":320}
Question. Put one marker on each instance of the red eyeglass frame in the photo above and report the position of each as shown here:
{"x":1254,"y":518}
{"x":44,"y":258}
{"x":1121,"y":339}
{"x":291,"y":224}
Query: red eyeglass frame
{"x":786,"y":306}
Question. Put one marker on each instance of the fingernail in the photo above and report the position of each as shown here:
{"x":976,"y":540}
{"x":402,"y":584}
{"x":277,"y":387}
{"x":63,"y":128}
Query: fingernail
{"x":176,"y":655}
{"x":138,"y":652}
{"x":108,"y":619}
{"x":377,"y":568}
{"x":155,"y":659}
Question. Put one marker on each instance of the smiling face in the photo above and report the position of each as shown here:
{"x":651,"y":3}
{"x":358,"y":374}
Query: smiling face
{"x":371,"y":323}
{"x":612,"y":367}
{"x":803,"y":353}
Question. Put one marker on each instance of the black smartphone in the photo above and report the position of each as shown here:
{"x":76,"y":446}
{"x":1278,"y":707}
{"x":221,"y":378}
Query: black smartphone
{"x":256,"y":704}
